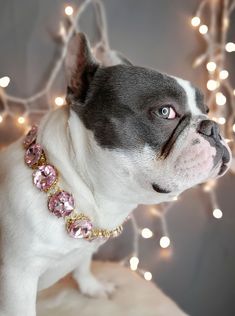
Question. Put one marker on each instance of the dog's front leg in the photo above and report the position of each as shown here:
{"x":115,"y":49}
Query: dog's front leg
{"x":88,"y":283}
{"x":18,"y":290}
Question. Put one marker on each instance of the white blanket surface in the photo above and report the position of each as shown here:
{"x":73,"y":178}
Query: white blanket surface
{"x":133,"y":297}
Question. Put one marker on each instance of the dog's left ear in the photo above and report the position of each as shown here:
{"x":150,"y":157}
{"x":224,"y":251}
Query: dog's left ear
{"x":80,"y":67}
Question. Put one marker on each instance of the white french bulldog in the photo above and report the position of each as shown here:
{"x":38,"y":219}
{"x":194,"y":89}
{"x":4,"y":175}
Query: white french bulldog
{"x":128,"y":135}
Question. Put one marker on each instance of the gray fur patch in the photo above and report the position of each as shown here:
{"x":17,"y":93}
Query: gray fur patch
{"x":120,"y":106}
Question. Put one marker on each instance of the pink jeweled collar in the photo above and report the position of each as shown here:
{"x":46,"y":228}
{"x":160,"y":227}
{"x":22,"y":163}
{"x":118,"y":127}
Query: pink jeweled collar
{"x":60,"y":203}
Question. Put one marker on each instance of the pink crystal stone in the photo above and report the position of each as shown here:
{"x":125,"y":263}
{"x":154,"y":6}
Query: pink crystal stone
{"x":61,"y":203}
{"x":33,"y":154}
{"x":44,"y":177}
{"x":79,"y":228}
{"x":31,"y":136}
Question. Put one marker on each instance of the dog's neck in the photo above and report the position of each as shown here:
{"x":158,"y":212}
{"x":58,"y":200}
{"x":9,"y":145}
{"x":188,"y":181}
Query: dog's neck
{"x":84,"y":169}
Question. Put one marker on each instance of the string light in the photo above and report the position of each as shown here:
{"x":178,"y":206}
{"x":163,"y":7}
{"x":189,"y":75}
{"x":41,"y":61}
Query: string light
{"x":155,"y":212}
{"x":217,"y":213}
{"x":203,"y":29}
{"x":234,"y":128}
{"x":148,"y":276}
{"x":221,"y":120}
{"x":1,"y":118}
{"x":230,"y":47}
{"x":21,"y":120}
{"x":72,"y":28}
{"x":195,"y":21}
{"x":62,"y":31}
{"x":211,"y":66}
{"x":209,"y":185}
{"x":4,"y":81}
{"x":146,"y":233}
{"x":134,"y":262}
{"x":223,"y":74}
{"x":166,"y":253}
{"x":59,"y":101}
{"x":220,"y":98}
{"x":68,"y":10}
{"x":165,"y":242}
{"x":212,"y":85}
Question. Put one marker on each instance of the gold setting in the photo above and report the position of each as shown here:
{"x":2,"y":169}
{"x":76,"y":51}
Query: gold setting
{"x":95,"y":232}
{"x":41,"y":162}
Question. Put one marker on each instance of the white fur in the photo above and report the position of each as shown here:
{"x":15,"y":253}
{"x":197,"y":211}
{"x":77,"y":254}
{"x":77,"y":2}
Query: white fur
{"x":107,"y":185}
{"x":191,"y":98}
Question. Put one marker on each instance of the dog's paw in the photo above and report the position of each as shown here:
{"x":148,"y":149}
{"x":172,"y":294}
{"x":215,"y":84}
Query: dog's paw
{"x":97,"y":289}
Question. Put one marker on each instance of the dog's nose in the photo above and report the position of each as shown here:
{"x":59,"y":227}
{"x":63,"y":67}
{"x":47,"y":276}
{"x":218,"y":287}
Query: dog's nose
{"x":209,"y":128}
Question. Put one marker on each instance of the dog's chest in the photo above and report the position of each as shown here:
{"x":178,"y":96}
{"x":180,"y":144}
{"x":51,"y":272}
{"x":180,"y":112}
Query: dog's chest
{"x":61,"y":265}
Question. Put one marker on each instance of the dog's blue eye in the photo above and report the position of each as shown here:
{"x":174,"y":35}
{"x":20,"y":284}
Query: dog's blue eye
{"x":167,"y":112}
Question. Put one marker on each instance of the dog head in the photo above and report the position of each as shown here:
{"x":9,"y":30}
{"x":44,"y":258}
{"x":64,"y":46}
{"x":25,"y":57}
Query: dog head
{"x":152,"y":125}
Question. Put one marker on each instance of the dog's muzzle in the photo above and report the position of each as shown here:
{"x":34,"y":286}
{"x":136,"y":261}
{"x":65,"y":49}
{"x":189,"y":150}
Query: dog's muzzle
{"x":210,"y":130}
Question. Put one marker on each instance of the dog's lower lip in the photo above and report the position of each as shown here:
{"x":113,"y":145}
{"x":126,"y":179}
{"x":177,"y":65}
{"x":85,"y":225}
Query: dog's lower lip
{"x":159,"y":189}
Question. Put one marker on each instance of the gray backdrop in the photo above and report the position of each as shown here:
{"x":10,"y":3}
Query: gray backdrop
{"x":154,"y":33}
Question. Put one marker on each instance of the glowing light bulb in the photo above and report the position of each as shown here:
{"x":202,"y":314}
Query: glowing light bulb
{"x":211,"y":66}
{"x":154,"y":211}
{"x":226,"y":22}
{"x":148,"y":276}
{"x":217,"y":213}
{"x":175,"y":198}
{"x":68,"y":10}
{"x":234,"y":128}
{"x":4,"y":81}
{"x":230,"y":47}
{"x":203,"y":29}
{"x":21,"y":120}
{"x":134,"y":261}
{"x":221,"y":120}
{"x":59,"y":101}
{"x":209,"y":185}
{"x":220,"y":98}
{"x":195,"y":21}
{"x":212,"y":84}
{"x":62,"y":31}
{"x":165,"y":242}
{"x":223,"y":74}
{"x":146,"y":233}
{"x":1,"y":118}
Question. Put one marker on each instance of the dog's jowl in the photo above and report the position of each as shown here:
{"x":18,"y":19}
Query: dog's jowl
{"x":128,"y":135}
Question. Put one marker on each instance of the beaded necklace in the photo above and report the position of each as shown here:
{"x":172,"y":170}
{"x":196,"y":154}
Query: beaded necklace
{"x":60,"y":202}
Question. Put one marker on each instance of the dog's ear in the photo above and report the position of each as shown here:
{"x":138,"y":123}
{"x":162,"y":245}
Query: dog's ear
{"x":80,"y":67}
{"x":109,"y":57}
{"x":123,"y":59}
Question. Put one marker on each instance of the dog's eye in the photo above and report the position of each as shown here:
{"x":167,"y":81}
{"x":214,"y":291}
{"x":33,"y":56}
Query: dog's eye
{"x":167,"y":112}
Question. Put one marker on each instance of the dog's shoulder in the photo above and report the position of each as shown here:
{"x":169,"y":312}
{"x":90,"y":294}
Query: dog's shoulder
{"x":11,"y":163}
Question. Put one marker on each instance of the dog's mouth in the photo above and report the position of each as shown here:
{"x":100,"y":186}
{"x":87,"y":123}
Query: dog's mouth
{"x":159,"y":189}
{"x":223,"y":169}
{"x":225,"y":161}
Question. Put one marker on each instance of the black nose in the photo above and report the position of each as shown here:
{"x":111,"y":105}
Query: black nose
{"x":209,"y":128}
